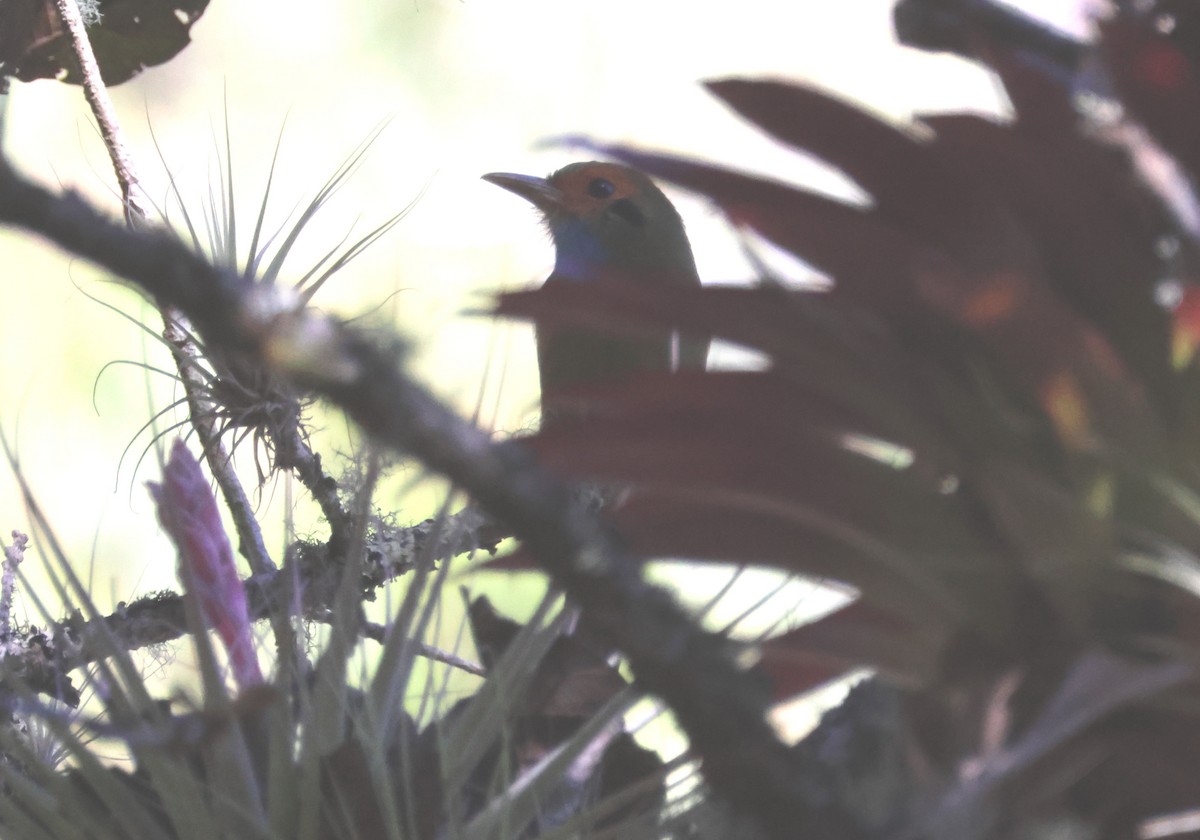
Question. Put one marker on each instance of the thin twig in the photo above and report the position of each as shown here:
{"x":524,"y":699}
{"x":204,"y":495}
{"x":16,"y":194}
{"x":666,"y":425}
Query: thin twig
{"x":293,"y":452}
{"x":378,"y":632}
{"x":183,"y":348}
{"x":103,"y":109}
{"x":187,"y":358}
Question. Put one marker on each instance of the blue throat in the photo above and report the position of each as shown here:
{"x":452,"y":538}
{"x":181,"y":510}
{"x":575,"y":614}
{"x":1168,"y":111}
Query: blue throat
{"x":578,"y":251}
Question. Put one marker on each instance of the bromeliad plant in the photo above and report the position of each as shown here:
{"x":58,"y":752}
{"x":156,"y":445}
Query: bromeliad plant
{"x":987,"y":425}
{"x":323,"y":749}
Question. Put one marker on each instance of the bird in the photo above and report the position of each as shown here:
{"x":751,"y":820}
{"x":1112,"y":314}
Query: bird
{"x":610,"y":224}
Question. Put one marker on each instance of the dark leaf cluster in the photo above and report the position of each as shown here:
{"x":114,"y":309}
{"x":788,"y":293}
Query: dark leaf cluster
{"x":987,"y":425}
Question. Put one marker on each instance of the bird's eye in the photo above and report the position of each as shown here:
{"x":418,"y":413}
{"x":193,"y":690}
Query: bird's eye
{"x":600,"y":188}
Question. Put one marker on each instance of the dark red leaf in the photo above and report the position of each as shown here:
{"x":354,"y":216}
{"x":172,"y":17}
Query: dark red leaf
{"x":913,"y":187}
{"x":1096,"y":230}
{"x":1158,"y":82}
{"x":1041,"y":98}
{"x":856,"y":636}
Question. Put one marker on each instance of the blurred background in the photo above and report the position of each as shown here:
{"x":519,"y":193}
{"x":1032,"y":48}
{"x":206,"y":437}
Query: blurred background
{"x":460,"y":88}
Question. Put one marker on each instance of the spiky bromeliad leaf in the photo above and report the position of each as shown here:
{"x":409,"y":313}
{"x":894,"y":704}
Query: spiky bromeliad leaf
{"x":245,"y":400}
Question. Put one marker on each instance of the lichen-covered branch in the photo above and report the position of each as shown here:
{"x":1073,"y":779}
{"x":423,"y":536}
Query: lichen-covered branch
{"x":44,"y":657}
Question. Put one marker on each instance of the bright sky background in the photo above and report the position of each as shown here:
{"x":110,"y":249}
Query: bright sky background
{"x":467,"y":87}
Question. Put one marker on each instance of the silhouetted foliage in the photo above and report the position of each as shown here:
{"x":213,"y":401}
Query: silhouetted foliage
{"x":987,"y":425}
{"x":127,"y":36}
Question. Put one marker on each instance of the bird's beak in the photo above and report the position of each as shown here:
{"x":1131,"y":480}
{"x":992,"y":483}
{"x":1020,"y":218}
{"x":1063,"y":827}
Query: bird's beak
{"x":537,"y":191}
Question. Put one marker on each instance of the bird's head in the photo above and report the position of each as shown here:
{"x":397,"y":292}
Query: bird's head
{"x":606,"y":219}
